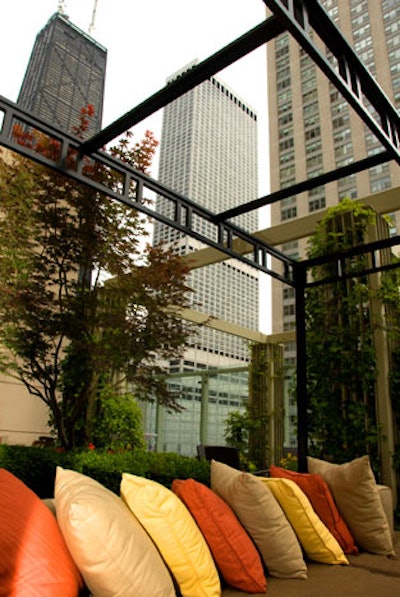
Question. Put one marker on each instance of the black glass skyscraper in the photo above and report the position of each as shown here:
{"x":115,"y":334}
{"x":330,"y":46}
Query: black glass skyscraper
{"x":66,"y":72}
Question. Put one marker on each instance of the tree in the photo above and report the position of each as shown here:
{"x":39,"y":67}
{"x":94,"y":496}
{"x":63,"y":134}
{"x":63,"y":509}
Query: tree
{"x":82,"y":303}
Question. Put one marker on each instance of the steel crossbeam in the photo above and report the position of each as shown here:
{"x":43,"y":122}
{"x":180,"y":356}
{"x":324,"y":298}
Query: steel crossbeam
{"x":374,"y":265}
{"x":306,"y":185}
{"x":199,"y":73}
{"x":349,"y":75}
{"x":185,"y":216}
{"x":351,"y":78}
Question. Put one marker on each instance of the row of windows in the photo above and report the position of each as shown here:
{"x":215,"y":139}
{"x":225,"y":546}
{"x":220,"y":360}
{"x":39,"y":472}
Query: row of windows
{"x":340,"y":109}
{"x":233,"y":98}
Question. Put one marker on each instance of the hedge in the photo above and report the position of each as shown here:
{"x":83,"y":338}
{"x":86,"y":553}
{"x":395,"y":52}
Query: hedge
{"x":36,"y":467}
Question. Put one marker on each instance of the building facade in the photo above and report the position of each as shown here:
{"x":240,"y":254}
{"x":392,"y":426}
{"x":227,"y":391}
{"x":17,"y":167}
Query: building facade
{"x":208,"y":153}
{"x":313,"y":130}
{"x":65,"y":73}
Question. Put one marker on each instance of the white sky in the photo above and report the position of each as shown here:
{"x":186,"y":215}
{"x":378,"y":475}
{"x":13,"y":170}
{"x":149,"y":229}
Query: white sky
{"x":147,"y":41}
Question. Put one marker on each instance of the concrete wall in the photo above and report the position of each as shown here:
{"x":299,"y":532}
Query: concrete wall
{"x":23,"y":418}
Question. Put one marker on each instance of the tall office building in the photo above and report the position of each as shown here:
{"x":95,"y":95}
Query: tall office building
{"x":208,"y":153}
{"x":313,"y":130}
{"x":66,"y":71}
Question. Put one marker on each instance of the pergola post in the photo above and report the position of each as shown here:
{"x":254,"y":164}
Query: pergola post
{"x":266,"y":404}
{"x":205,"y":384}
{"x":300,"y":273}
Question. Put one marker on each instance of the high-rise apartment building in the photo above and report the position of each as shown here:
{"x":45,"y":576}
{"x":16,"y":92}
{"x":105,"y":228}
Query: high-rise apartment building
{"x":208,"y":153}
{"x":313,"y":130}
{"x":66,"y":71}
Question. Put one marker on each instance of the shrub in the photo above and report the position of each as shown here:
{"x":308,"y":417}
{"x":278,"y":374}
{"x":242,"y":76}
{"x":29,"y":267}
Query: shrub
{"x":118,"y":423}
{"x":36,"y":467}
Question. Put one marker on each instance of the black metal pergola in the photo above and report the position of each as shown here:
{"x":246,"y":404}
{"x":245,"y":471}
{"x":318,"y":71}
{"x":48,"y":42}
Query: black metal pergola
{"x":345,"y":71}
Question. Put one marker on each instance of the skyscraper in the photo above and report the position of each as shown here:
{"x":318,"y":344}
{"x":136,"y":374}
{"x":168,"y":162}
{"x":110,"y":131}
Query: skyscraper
{"x":313,"y":130}
{"x":66,"y":71}
{"x":208,"y":153}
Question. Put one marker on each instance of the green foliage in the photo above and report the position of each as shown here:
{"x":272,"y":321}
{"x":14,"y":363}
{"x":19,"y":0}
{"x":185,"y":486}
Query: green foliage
{"x":81,"y":299}
{"x":289,"y":462}
{"x":342,"y":227}
{"x":164,"y":467}
{"x":118,"y":421}
{"x":238,"y":426}
{"x":107,"y":467}
{"x":341,"y":359}
{"x":34,"y":466}
{"x":236,"y":432}
{"x":37,"y":466}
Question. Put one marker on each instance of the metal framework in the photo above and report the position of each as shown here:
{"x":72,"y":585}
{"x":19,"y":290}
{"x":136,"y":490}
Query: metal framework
{"x":344,"y":69}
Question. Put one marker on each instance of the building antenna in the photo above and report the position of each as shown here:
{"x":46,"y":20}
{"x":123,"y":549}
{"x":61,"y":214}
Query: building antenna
{"x":61,"y":7}
{"x":92,"y":24}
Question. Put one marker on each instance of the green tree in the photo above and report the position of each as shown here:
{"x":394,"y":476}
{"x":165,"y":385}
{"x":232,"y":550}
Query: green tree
{"x":82,"y":303}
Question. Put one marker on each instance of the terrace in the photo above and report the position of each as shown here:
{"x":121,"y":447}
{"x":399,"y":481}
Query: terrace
{"x":227,"y":240}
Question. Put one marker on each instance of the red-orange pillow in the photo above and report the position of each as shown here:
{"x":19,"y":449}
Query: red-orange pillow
{"x":34,"y":557}
{"x":234,"y":552}
{"x":323,"y":503}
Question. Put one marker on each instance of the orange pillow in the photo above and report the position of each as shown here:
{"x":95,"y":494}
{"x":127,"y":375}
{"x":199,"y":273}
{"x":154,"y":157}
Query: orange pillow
{"x":34,"y":557}
{"x":234,"y":553}
{"x":322,"y":501}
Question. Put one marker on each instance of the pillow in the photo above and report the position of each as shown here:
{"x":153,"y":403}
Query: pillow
{"x":232,"y":549}
{"x":318,"y":543}
{"x":113,"y":552}
{"x":34,"y":558}
{"x":173,"y":530}
{"x":262,"y":517}
{"x":357,"y":497}
{"x":322,"y":501}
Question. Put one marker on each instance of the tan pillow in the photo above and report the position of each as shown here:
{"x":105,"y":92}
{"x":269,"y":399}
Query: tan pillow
{"x":357,"y":497}
{"x":113,"y":552}
{"x":262,"y":517}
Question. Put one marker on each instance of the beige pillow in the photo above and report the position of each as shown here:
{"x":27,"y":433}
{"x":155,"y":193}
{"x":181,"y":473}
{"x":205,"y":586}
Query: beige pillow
{"x":357,"y":497}
{"x":111,"y":549}
{"x":262,"y":517}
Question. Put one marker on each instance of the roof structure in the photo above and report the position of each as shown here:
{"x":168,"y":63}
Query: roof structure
{"x":345,"y":70}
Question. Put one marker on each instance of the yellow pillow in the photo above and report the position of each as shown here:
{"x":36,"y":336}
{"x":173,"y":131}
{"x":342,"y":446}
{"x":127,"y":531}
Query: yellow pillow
{"x":175,"y":533}
{"x":318,"y":543}
{"x":111,"y":549}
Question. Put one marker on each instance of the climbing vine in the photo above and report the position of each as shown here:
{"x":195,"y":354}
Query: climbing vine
{"x":341,"y":357}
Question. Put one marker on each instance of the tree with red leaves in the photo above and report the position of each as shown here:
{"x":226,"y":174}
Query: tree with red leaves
{"x":82,"y":304}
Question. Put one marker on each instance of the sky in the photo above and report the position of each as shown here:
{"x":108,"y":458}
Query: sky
{"x":146,"y":41}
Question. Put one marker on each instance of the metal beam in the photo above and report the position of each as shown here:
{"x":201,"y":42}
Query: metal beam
{"x":301,"y":369}
{"x":371,"y":250}
{"x":349,"y":75}
{"x":185,"y":214}
{"x":237,"y":49}
{"x":307,"y":185}
{"x":384,"y":202}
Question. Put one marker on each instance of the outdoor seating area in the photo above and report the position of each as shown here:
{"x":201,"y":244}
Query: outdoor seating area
{"x":325,"y":529}
{"x":286,"y":534}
